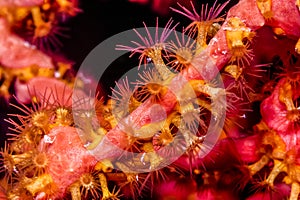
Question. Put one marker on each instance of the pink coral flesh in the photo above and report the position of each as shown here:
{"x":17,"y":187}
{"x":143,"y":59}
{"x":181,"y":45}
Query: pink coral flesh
{"x":16,"y":53}
{"x":48,"y":89}
{"x":68,"y":158}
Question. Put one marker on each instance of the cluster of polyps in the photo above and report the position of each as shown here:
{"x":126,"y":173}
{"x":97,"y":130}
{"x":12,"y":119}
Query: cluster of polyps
{"x":157,"y":134}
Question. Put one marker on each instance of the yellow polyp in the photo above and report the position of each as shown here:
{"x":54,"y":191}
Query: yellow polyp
{"x":8,"y":161}
{"x":286,"y":97}
{"x":75,"y":191}
{"x":41,"y":120}
{"x":175,"y":119}
{"x":106,"y":111}
{"x":256,"y":167}
{"x":152,"y":91}
{"x":19,"y":159}
{"x":297,"y":47}
{"x":293,"y":179}
{"x":43,"y":183}
{"x":132,"y":177}
{"x":42,"y":28}
{"x":17,"y":193}
{"x":279,"y":166}
{"x":191,"y":117}
{"x":63,"y":117}
{"x":284,"y":161}
{"x":45,"y":72}
{"x":27,"y":139}
{"x":89,"y":185}
{"x":236,"y":33}
{"x":294,"y":172}
{"x":217,"y":96}
{"x":183,"y":57}
{"x":37,"y":17}
{"x":94,"y":137}
{"x":199,"y":86}
{"x":148,"y":130}
{"x":203,"y":28}
{"x":256,"y":97}
{"x":154,"y":53}
{"x":40,"y":162}
{"x":295,"y":191}
{"x":278,"y":145}
{"x":154,"y":88}
{"x":148,"y":147}
{"x":155,"y":160}
{"x":111,"y":119}
{"x":265,"y":7}
{"x":4,"y":89}
{"x":166,"y":137}
{"x":104,"y":166}
{"x":234,"y":70}
{"x":185,"y":108}
{"x":133,"y":104}
{"x":234,"y":39}
{"x":106,"y":194}
{"x":63,"y":68}
{"x":197,"y":171}
{"x":151,"y":156}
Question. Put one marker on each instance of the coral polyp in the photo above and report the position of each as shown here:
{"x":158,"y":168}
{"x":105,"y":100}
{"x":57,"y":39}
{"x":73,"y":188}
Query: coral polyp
{"x":87,"y":186}
{"x":8,"y":165}
{"x":203,"y":21}
{"x":151,"y":86}
{"x":181,"y":53}
{"x":151,"y":47}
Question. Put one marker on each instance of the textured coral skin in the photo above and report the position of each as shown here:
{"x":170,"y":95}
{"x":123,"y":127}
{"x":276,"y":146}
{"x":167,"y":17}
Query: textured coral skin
{"x":271,"y":109}
{"x":16,"y":53}
{"x":286,"y":16}
{"x":44,"y":87}
{"x":247,"y":148}
{"x":274,"y":113}
{"x":253,"y":19}
{"x":68,"y":157}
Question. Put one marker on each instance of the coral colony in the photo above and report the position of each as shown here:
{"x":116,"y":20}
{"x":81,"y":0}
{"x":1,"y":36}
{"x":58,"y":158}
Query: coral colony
{"x":214,"y":113}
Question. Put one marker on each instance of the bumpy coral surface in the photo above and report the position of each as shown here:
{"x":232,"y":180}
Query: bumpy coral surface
{"x":212,"y":114}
